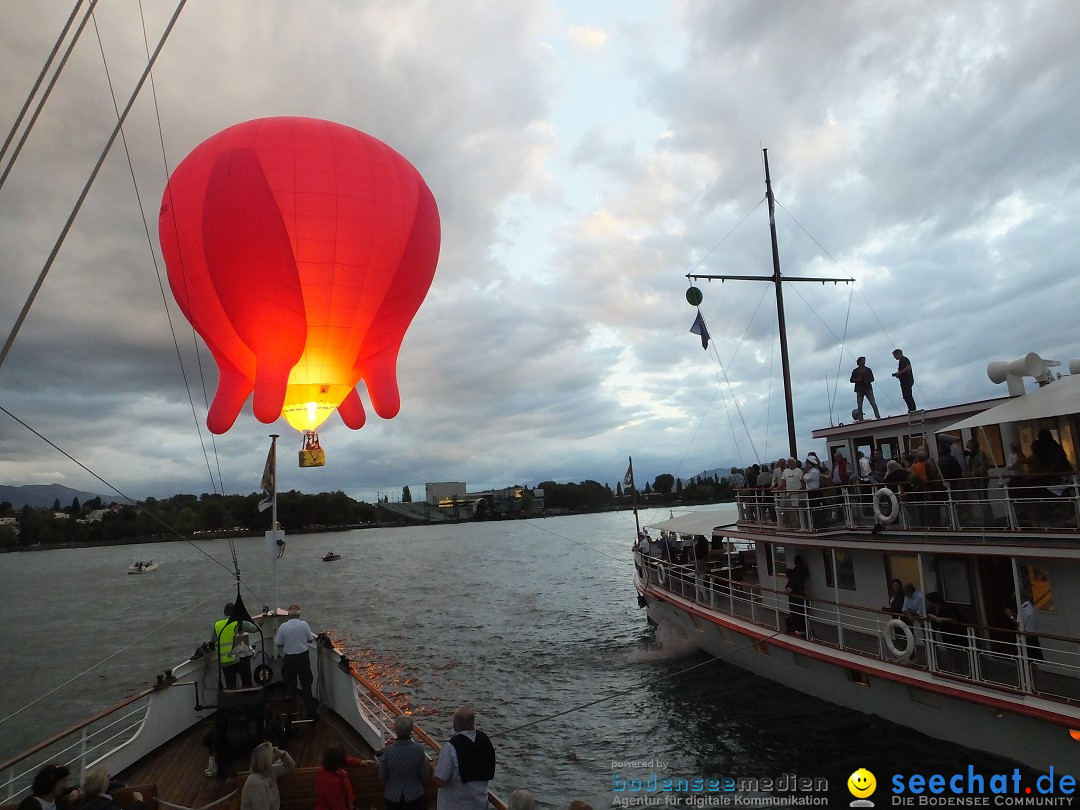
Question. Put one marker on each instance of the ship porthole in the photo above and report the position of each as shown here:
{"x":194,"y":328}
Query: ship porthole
{"x":894,"y":506}
{"x":890,"y":636}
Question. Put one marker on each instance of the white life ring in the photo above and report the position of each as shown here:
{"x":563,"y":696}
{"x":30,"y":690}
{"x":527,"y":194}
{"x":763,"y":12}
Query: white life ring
{"x":661,"y":574}
{"x":894,"y":511}
{"x":890,"y":641}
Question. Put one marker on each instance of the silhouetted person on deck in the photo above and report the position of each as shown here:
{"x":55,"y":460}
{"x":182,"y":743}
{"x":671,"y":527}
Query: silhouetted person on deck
{"x":905,"y":377}
{"x":863,"y":377}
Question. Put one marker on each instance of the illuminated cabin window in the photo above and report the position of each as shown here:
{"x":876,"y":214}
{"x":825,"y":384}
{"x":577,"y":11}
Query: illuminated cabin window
{"x":857,"y":677}
{"x":1038,"y":579}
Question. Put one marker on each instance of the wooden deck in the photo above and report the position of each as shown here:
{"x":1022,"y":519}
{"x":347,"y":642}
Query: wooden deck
{"x":178,"y":768}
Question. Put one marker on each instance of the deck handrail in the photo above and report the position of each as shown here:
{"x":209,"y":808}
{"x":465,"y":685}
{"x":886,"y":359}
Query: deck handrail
{"x":977,"y":653}
{"x":689,"y":569}
{"x":76,"y":728}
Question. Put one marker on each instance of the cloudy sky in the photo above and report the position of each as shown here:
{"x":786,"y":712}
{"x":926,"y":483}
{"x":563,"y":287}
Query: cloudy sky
{"x":585,"y":157}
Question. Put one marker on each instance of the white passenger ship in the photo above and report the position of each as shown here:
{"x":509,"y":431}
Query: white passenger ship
{"x":986,"y":685}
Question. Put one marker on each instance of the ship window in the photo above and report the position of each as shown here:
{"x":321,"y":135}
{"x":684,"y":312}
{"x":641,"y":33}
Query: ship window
{"x":904,"y":567}
{"x":857,"y":677}
{"x":772,"y":551}
{"x":989,"y":438}
{"x":761,"y":647}
{"x":890,"y":449}
{"x":845,"y":569}
{"x":955,"y":580}
{"x":1038,"y":579}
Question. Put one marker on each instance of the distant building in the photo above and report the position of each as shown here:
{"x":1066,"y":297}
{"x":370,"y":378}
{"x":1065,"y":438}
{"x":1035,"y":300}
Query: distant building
{"x":444,"y":493}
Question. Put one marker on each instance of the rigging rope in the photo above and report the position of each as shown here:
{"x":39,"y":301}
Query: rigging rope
{"x":217,"y":486}
{"x":215,"y":595}
{"x":86,"y":188}
{"x":46,"y":94}
{"x":632,"y":689}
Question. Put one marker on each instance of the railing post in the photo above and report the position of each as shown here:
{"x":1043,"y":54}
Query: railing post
{"x":82,"y":754}
{"x":973,"y":656}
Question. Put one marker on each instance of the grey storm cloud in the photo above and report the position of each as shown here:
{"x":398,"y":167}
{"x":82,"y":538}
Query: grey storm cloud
{"x":584,"y":159}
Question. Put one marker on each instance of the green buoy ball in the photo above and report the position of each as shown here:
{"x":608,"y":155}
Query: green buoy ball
{"x":693,"y":297}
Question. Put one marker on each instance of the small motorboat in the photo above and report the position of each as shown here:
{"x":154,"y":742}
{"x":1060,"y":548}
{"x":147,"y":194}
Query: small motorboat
{"x":330,"y":556}
{"x":142,"y":567}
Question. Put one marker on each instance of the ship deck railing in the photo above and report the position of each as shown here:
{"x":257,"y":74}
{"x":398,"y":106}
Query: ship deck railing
{"x":988,"y":656}
{"x":77,"y":747}
{"x":1041,"y":504}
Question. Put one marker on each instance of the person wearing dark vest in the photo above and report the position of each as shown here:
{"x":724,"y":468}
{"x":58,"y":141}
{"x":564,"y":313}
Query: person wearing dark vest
{"x":465,"y":765}
{"x":233,"y":664}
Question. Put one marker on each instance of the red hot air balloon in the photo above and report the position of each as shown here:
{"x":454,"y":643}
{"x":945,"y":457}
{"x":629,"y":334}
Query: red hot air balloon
{"x":300,"y":250}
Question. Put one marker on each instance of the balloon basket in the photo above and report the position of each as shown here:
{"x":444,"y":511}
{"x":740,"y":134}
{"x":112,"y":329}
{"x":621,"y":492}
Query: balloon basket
{"x":312,"y":454}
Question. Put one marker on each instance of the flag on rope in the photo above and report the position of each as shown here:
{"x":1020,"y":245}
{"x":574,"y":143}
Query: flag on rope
{"x":269,"y":481}
{"x":628,"y":479}
{"x":699,"y":329}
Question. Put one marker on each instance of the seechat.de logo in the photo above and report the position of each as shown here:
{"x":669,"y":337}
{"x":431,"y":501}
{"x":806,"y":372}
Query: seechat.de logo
{"x":862,"y":785}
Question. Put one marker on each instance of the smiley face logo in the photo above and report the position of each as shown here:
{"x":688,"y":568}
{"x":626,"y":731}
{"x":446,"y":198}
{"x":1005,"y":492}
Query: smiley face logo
{"x":861,"y":783}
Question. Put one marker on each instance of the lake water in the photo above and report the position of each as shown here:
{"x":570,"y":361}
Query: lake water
{"x":533,"y":622}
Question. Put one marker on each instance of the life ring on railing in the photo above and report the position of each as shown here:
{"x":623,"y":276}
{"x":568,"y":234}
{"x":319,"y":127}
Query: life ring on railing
{"x":661,"y":574}
{"x":894,"y":510}
{"x":890,"y":639}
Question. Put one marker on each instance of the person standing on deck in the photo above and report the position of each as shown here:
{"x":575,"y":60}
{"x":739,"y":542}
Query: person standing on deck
{"x":1027,"y":624}
{"x":863,"y":377}
{"x":466,"y":765}
{"x":292,"y":638}
{"x":404,"y":769}
{"x":905,"y":377}
{"x":233,"y":663}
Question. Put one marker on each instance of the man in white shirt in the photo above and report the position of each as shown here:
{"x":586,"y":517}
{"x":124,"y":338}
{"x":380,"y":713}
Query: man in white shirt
{"x":466,"y":764}
{"x":292,"y":638}
{"x":792,"y":485}
{"x":914,"y":607}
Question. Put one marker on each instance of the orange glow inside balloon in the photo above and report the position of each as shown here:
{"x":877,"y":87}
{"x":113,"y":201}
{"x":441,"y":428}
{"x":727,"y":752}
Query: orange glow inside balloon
{"x":300,"y":250}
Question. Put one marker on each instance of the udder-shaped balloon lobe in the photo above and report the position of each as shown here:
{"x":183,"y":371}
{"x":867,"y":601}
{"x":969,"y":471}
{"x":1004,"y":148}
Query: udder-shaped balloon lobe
{"x":254,"y":273}
{"x":377,"y":359}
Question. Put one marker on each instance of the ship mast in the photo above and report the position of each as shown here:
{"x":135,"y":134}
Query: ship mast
{"x":777,"y":279}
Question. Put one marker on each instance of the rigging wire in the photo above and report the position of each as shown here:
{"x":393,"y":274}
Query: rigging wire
{"x":854,"y":281}
{"x":44,"y":98}
{"x":217,"y":486}
{"x":165,"y":300}
{"x":41,"y":77}
{"x":632,"y":689}
{"x":701,"y":261}
{"x":126,"y":497}
{"x":92,"y":667}
{"x":86,"y":188}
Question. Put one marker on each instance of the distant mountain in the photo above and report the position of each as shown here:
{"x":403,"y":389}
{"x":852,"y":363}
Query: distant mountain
{"x":45,"y":495}
{"x":722,"y":472}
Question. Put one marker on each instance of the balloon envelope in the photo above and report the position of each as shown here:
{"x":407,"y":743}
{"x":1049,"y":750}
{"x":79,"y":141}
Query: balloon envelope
{"x":300,"y":250}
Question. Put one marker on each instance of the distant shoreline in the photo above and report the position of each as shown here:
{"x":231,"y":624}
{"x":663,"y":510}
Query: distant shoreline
{"x":226,"y":535}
